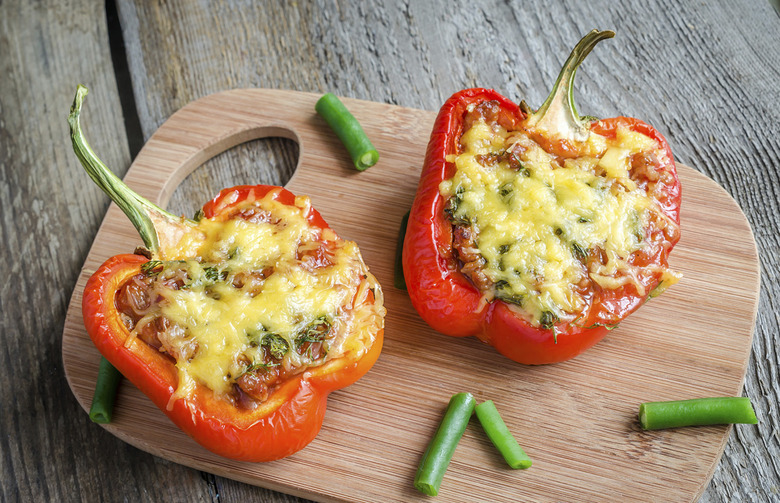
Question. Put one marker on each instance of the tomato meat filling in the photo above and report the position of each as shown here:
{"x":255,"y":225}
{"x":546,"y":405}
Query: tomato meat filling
{"x":562,"y":231}
{"x":264,"y":297}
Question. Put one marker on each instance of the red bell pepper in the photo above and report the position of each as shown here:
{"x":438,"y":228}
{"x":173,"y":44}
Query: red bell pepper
{"x":449,"y":300}
{"x":292,"y":413}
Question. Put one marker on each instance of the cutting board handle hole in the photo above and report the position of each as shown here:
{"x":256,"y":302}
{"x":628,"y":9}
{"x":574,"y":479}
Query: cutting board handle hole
{"x":269,"y":161}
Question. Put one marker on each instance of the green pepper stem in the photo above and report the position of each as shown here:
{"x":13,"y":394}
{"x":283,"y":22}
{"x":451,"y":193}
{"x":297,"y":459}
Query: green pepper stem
{"x":149,"y":220}
{"x":558,"y":113}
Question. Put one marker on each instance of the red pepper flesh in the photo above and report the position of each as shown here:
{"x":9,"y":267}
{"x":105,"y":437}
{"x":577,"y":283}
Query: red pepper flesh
{"x":289,"y":420}
{"x":450,"y":303}
{"x":264,"y":423}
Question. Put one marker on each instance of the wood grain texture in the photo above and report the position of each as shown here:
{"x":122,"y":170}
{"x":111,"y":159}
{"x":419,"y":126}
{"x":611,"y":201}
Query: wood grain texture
{"x":704,"y":73}
{"x":50,"y":451}
{"x":377,"y":429}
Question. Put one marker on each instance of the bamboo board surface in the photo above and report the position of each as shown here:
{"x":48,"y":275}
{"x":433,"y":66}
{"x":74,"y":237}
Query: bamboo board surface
{"x":577,"y":420}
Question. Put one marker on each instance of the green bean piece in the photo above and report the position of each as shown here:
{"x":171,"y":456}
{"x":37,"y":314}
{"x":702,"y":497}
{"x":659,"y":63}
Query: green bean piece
{"x":349,"y":131}
{"x":437,"y":456}
{"x":696,"y":412}
{"x":105,"y":393}
{"x":398,"y":278}
{"x":499,"y":434}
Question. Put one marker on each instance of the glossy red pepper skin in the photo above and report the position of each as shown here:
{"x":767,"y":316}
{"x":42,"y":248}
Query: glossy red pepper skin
{"x":281,"y":426}
{"x":449,"y":302}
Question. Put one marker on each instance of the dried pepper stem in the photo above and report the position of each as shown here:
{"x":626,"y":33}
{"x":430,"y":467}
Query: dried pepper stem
{"x":148,"y":219}
{"x":558,"y":112}
{"x":151,"y":222}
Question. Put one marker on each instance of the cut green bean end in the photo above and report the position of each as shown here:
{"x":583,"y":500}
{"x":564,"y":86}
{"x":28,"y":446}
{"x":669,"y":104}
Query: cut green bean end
{"x":367,"y":160}
{"x":426,"y":488}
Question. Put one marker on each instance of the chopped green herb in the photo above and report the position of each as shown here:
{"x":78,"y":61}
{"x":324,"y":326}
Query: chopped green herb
{"x":608,"y":327}
{"x":260,"y":366}
{"x":212,"y":274}
{"x":578,"y":251}
{"x":504,"y":292}
{"x":548,"y":320}
{"x":152,"y":268}
{"x":276,"y":345}
{"x":595,"y":325}
{"x":658,"y":290}
{"x":514,"y":163}
{"x":451,"y":208}
{"x":315,"y":332}
{"x":506,"y":192}
{"x":452,"y":205}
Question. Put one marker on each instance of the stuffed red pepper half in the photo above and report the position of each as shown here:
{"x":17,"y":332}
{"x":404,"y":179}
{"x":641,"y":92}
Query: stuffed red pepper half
{"x":239,"y":323}
{"x":539,"y":231}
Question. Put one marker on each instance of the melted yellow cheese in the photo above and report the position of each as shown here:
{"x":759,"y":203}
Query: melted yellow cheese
{"x":534,"y":225}
{"x":220,"y":319}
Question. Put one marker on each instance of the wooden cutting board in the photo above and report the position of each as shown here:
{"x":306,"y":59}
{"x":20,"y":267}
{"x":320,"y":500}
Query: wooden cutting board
{"x":577,"y":420}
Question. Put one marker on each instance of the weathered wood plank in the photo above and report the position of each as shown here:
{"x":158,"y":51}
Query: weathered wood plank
{"x":51,"y":451}
{"x":705,"y":74}
{"x":697,"y":72}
